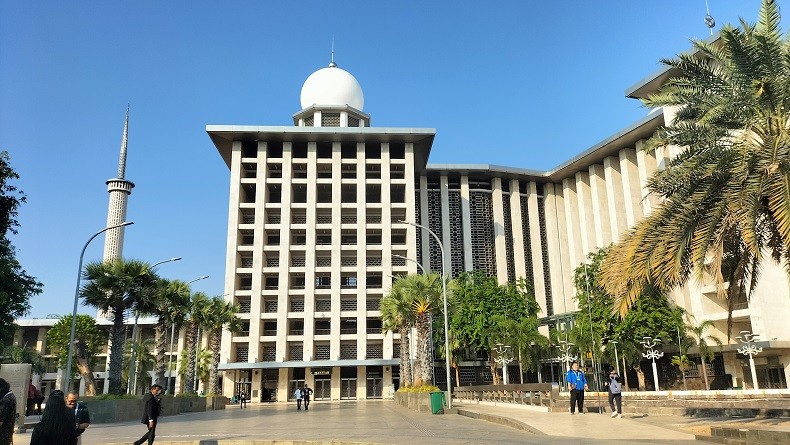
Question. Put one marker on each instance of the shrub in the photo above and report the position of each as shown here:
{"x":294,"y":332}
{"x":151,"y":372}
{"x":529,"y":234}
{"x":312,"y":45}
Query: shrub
{"x":419,"y":388}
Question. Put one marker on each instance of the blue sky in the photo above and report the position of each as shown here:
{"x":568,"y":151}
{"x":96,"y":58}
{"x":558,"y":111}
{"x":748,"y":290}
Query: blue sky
{"x":526,"y":84}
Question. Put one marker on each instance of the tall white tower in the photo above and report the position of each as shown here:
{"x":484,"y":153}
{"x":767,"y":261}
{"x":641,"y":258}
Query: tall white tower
{"x":119,"y":189}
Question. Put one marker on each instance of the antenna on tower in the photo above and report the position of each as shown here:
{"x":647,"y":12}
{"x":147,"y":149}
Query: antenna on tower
{"x":124,"y":140}
{"x":709,"y":18}
{"x":332,"y":64}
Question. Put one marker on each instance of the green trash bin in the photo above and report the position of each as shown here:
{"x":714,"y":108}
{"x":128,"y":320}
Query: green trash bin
{"x":437,"y":402}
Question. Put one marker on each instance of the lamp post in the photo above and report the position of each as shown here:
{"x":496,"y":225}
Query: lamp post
{"x":503,"y":357}
{"x":616,"y":362}
{"x":446,"y":323}
{"x":565,"y":354}
{"x":650,"y":343}
{"x":131,"y":384}
{"x":77,"y":297}
{"x":412,"y":260}
{"x":750,"y":349}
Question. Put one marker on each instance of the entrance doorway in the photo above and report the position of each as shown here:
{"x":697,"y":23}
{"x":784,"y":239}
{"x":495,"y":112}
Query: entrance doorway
{"x":375,"y":383}
{"x":348,"y":383}
{"x":323,"y":389}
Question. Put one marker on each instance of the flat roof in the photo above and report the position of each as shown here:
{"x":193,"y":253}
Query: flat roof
{"x":224,"y":135}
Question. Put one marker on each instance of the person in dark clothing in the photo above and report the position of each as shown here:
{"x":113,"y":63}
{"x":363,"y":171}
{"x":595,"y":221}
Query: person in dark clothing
{"x":306,"y":393}
{"x":243,"y":399}
{"x":7,"y":413}
{"x":57,"y":425}
{"x":152,"y":407}
{"x":615,"y":387}
{"x":81,"y":414}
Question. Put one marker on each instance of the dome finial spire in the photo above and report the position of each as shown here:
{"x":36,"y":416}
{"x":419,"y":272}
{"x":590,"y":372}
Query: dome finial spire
{"x":332,"y":64}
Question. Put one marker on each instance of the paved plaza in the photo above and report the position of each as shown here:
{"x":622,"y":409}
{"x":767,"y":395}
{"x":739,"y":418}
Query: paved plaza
{"x":384,"y":422}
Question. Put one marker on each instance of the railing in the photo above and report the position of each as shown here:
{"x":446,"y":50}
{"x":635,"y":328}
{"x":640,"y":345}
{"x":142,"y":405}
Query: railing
{"x":533,"y":394}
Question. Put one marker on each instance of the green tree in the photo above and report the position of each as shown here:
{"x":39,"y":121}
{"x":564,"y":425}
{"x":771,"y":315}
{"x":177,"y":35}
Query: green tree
{"x":144,"y":361}
{"x":220,"y":314}
{"x":651,"y":315}
{"x":198,"y":311}
{"x":89,"y":341}
{"x":703,"y":343}
{"x":725,"y":199}
{"x":479,"y":306}
{"x":397,"y":316}
{"x":16,"y":286}
{"x":200,"y":362}
{"x":115,"y":287}
{"x":23,"y":354}
{"x":171,"y":311}
{"x":424,"y":292}
{"x":527,"y":343}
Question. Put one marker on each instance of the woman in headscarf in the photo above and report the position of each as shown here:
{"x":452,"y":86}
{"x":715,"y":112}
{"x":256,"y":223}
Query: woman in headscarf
{"x":7,"y":413}
{"x":57,"y":425}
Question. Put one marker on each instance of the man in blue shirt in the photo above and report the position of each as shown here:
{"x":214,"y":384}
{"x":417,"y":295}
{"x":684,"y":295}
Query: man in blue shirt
{"x":577,"y":384}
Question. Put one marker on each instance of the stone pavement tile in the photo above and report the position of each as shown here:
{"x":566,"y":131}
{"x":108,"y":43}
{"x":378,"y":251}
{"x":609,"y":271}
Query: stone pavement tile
{"x":370,"y":422}
{"x":589,"y":425}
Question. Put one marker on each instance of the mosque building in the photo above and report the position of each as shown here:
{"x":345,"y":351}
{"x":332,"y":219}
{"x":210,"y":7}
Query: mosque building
{"x":320,"y":221}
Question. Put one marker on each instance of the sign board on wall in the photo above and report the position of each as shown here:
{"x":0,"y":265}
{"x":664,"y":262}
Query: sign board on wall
{"x":18,"y":377}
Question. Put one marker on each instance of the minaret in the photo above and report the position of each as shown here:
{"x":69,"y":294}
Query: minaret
{"x":119,"y":190}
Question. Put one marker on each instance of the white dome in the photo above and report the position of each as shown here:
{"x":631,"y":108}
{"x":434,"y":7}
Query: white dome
{"x":332,"y":86}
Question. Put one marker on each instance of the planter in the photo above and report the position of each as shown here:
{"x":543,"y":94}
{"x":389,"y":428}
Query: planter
{"x":417,"y":401}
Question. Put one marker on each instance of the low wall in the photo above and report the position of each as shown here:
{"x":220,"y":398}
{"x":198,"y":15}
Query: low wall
{"x":528,"y":394}
{"x":731,"y":403}
{"x":120,"y":410}
{"x":417,"y":401}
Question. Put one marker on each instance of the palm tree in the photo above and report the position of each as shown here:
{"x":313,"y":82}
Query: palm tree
{"x":115,"y":287}
{"x":701,"y":341}
{"x":24,"y":354}
{"x":171,"y":310}
{"x":425,"y":294}
{"x":219,"y":315}
{"x":726,"y":197}
{"x":397,"y":316}
{"x":196,"y":321}
{"x":200,"y":361}
{"x":526,"y":341}
{"x":143,"y":362}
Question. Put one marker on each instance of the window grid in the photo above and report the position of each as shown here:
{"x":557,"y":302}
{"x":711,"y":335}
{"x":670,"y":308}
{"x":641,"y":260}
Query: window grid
{"x":242,"y":353}
{"x":269,"y":353}
{"x":296,"y":351}
{"x":348,"y":305}
{"x":348,"y":350}
{"x":270,"y":306}
{"x":374,"y":351}
{"x":296,"y":305}
{"x":323,"y":305}
{"x":322,"y":351}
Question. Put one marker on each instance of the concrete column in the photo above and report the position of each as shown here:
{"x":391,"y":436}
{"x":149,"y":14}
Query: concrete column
{"x":614,"y":195}
{"x":600,"y":206}
{"x":572,"y":226}
{"x":646,"y":163}
{"x":423,"y":237}
{"x":231,"y":257}
{"x":585,"y":209}
{"x":310,"y":246}
{"x":284,"y":253}
{"x":362,"y":383}
{"x":444,"y":194}
{"x":499,"y":230}
{"x":535,"y":246}
{"x":632,"y":193}
{"x":558,"y":247}
{"x":466,"y":223}
{"x":517,"y":227}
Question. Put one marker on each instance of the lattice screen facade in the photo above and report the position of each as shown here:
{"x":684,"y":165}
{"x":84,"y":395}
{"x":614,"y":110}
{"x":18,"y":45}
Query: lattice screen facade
{"x":544,"y":247}
{"x":456,"y":233}
{"x":525,"y":233}
{"x":482,"y":231}
{"x":511,"y":267}
{"x":435,"y":224}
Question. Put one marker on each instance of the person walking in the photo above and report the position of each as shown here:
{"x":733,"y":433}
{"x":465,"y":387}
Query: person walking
{"x":615,"y":388}
{"x":306,"y":393}
{"x":243,"y":399}
{"x":81,"y":414}
{"x":7,"y":413}
{"x":152,"y":407}
{"x":577,"y":384}
{"x":57,"y":425}
{"x":298,"y":397}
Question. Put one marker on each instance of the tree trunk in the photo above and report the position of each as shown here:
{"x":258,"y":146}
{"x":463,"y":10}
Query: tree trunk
{"x":625,"y":376}
{"x":640,"y":376}
{"x":424,"y":362}
{"x":705,"y":373}
{"x":117,"y":335}
{"x":160,"y":332}
{"x":191,"y":347}
{"x":405,"y":365}
{"x":457,"y":375}
{"x":83,"y":366}
{"x":492,"y":367}
{"x":214,"y":344}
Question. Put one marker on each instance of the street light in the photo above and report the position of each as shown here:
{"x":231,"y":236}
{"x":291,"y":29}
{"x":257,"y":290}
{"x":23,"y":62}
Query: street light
{"x":172,"y":337}
{"x":412,"y":260}
{"x":650,"y":343}
{"x":503,"y":357}
{"x":751,"y":350}
{"x":616,"y":362}
{"x":565,"y":356}
{"x":131,"y":385}
{"x":77,"y":297}
{"x":446,"y":323}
